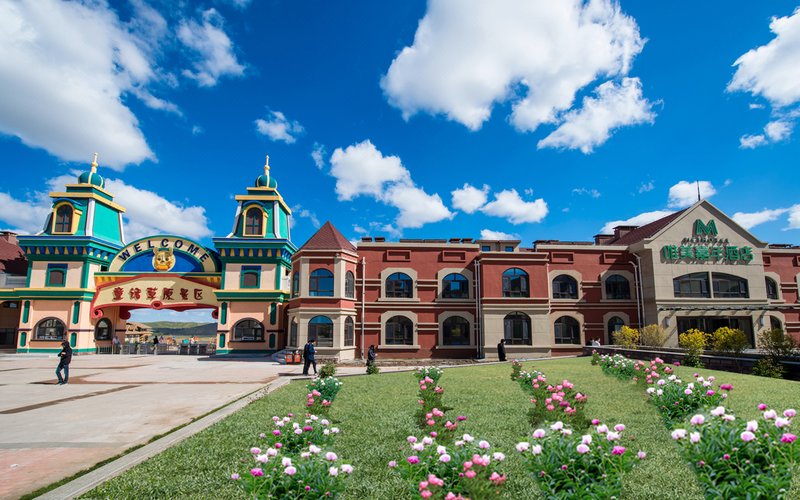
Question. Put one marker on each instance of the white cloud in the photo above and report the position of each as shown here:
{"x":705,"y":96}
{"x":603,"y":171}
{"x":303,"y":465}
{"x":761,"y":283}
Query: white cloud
{"x":213,"y":50}
{"x":197,"y":130}
{"x":646,"y":187}
{"x":64,"y":70}
{"x":508,"y":204}
{"x":794,"y":217}
{"x":468,"y":198}
{"x":636,"y":220}
{"x":469,"y":55}
{"x":239,"y":4}
{"x":488,"y":234}
{"x":616,"y":105}
{"x":772,"y":71}
{"x":278,"y":128}
{"x":299,"y":211}
{"x":727,"y":182}
{"x":590,"y":192}
{"x":684,"y":193}
{"x":318,"y":155}
{"x":752,"y":219}
{"x":362,"y":169}
{"x":417,"y":207}
{"x":754,"y":105}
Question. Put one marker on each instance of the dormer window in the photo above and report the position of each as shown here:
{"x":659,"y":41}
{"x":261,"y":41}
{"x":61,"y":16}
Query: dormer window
{"x":254,"y":222}
{"x":62,"y":222}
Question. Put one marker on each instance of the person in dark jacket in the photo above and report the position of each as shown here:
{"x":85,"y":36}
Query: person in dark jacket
{"x":155,"y":344}
{"x":501,"y":350}
{"x":371,"y":357}
{"x":63,"y":364}
{"x":309,"y":356}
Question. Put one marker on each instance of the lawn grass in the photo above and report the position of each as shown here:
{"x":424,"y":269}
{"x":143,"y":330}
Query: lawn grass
{"x":375,"y":414}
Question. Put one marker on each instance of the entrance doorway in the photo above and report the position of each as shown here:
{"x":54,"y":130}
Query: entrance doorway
{"x":164,"y":332}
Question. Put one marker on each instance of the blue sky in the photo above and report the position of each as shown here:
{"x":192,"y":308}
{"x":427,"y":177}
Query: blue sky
{"x":549,"y":120}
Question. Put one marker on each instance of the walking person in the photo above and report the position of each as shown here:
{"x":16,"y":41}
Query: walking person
{"x":155,"y":344}
{"x":66,"y":359}
{"x":309,"y":356}
{"x":114,"y":345}
{"x":371,"y":357}
{"x":501,"y":350}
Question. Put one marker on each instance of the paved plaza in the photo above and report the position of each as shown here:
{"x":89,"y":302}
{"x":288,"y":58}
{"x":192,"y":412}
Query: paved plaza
{"x":48,"y":431}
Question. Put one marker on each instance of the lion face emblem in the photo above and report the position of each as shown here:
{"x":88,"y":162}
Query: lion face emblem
{"x":163,"y":259}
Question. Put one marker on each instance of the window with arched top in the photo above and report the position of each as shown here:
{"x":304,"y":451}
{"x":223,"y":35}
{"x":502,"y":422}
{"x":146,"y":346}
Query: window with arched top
{"x":515,"y":283}
{"x":63,"y":219}
{"x":320,"y":283}
{"x":565,"y":287}
{"x":399,"y":331}
{"x":350,"y":285}
{"x":349,"y":332}
{"x":694,"y":285}
{"x":567,"y":330}
{"x":618,"y":287}
{"x":614,"y":325}
{"x":399,"y":286}
{"x":455,"y":286}
{"x":517,"y":329}
{"x":775,"y":323}
{"x":320,"y":328}
{"x":455,"y":331}
{"x":772,"y":288}
{"x":50,"y":329}
{"x":293,"y":333}
{"x":729,"y":286}
{"x":248,"y":330}
{"x":103,"y":329}
{"x":254,"y":222}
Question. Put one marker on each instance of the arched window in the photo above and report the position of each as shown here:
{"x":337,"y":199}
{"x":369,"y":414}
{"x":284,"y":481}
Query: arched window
{"x":515,"y":283}
{"x":399,"y":286}
{"x":320,"y":328}
{"x":517,"y":329}
{"x":250,"y":277}
{"x":63,"y":221}
{"x":692,"y":285}
{"x":455,"y":286}
{"x":617,"y":287}
{"x":254,"y":222}
{"x":296,"y":284}
{"x":729,"y":286}
{"x":349,"y":332}
{"x":614,"y":324}
{"x":50,"y":329}
{"x":293,"y":333}
{"x":567,"y":330}
{"x":399,"y":331}
{"x":248,"y":330}
{"x":320,"y":283}
{"x":455,"y":331}
{"x":775,"y":323}
{"x":350,"y":285}
{"x":565,"y":287}
{"x":102,"y":330}
{"x":772,"y":288}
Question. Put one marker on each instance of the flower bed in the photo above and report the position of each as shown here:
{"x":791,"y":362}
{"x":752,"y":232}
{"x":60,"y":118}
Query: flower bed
{"x":291,"y":433}
{"x":552,"y":402}
{"x":568,"y":465}
{"x":676,"y":400}
{"x":738,"y":459}
{"x":321,"y":393}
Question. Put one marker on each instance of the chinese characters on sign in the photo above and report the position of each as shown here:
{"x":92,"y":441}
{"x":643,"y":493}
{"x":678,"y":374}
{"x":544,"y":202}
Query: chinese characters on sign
{"x":705,"y":253}
{"x":166,"y":294}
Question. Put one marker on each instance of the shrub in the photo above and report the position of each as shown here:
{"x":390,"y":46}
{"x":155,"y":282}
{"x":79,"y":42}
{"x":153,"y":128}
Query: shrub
{"x":731,"y":340}
{"x":627,"y":337}
{"x":738,"y":459}
{"x":776,"y":344}
{"x":327,"y":370}
{"x":313,"y":474}
{"x":322,"y":392}
{"x":769,"y":367}
{"x":595,"y":357}
{"x":373,"y":369}
{"x":653,"y":336}
{"x":516,"y":369}
{"x":676,"y":400}
{"x":291,"y":434}
{"x":618,"y":366}
{"x":467,"y":469}
{"x":694,"y":342}
{"x":432,"y":372}
{"x":553,"y":402}
{"x":568,"y":465}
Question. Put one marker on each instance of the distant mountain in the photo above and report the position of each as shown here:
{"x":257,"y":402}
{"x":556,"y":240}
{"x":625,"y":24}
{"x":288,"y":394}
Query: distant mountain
{"x":186,"y":328}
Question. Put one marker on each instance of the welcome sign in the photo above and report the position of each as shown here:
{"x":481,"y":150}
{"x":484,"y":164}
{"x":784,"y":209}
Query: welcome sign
{"x":164,"y":253}
{"x":156,"y":292}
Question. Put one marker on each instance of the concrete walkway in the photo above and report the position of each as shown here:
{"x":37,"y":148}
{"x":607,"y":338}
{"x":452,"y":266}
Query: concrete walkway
{"x":112,"y":403}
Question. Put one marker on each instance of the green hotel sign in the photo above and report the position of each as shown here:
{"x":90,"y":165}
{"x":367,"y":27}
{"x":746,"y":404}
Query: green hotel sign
{"x":705,"y":246}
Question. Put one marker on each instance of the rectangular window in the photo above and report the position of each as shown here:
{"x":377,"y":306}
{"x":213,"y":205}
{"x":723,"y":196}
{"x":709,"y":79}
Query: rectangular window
{"x":56,"y":275}
{"x":509,"y":249}
{"x":486,"y":248}
{"x":250,"y":277}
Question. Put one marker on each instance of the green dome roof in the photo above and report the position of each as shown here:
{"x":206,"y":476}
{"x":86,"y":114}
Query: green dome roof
{"x":266,"y":181}
{"x":91,"y":178}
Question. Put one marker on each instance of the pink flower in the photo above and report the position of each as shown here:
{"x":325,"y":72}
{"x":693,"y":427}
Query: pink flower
{"x":678,"y":434}
{"x":642,"y":455}
{"x":423,"y":485}
{"x":619,"y":427}
{"x":770,"y":414}
{"x":563,"y":467}
{"x":392,"y":464}
{"x":595,"y":422}
{"x":235,"y":476}
{"x":413,"y":459}
{"x":290,"y":471}
{"x":467,"y":465}
{"x":698,"y":420}
{"x":747,"y":436}
{"x":694,"y":437}
{"x":461,"y":418}
{"x":425,"y":493}
{"x":710,"y":392}
{"x":781,"y":422}
{"x":497,"y":478}
{"x":431,"y":422}
{"x":256,"y":472}
{"x":538,"y":433}
{"x":788,"y":438}
{"x":536,"y":449}
{"x":522,"y":447}
{"x":726,"y":387}
{"x":434,"y":434}
{"x":470,"y":473}
{"x":411,"y":439}
{"x":347,"y":468}
{"x":484,"y":445}
{"x":726,"y":457}
{"x":444,"y":458}
{"x":582,"y":449}
{"x":333,"y":471}
{"x":278,"y":445}
{"x":331,"y":456}
{"x":255,"y":451}
{"x":618,"y":450}
{"x":790,"y":413}
{"x":602,"y":429}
